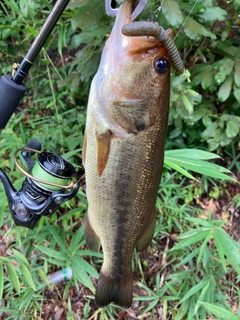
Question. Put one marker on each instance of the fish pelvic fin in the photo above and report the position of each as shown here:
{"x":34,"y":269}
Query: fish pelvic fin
{"x":92,"y":239}
{"x":145,"y":238}
{"x":117,"y":290}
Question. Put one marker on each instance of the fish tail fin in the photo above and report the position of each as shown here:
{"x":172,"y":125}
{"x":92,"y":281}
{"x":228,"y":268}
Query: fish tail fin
{"x":119,"y":291}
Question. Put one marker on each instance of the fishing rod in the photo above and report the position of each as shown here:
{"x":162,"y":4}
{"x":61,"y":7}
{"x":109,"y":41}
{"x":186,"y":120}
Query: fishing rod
{"x":12,"y":88}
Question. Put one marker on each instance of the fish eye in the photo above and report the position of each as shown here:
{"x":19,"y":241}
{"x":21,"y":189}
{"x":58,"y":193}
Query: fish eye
{"x":161,"y":65}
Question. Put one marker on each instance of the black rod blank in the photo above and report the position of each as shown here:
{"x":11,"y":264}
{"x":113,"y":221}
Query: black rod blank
{"x":38,"y":43}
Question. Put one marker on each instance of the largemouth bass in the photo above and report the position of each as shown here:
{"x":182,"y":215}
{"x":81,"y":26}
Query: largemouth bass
{"x":123,"y":153}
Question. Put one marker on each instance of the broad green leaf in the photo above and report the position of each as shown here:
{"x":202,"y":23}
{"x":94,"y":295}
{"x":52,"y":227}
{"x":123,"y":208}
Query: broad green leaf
{"x":230,"y":248}
{"x":233,"y":127}
{"x":236,"y":93}
{"x":27,"y":276}
{"x":181,"y":275}
{"x":1,"y":281}
{"x":85,"y":265}
{"x":191,"y":154}
{"x":220,"y":250}
{"x":53,"y":253}
{"x":5,"y":260}
{"x":144,"y":298}
{"x":60,"y":241}
{"x":176,"y":167}
{"x":172,"y":12}
{"x":44,"y":277}
{"x":203,"y":247}
{"x":210,"y":127}
{"x":13,"y":276}
{"x":26,"y":299}
{"x":201,"y":222}
{"x":151,"y":305}
{"x":89,"y":253}
{"x":194,"y":290}
{"x":20,"y":257}
{"x":236,"y":4}
{"x":188,"y":105}
{"x":90,"y":14}
{"x":225,"y":89}
{"x":77,"y":3}
{"x":172,"y":289}
{"x":169,"y":298}
{"x":237,"y":73}
{"x":214,"y":13}
{"x":201,"y":296}
{"x":195,"y":30}
{"x":60,"y":264}
{"x":202,"y":167}
{"x":188,"y":258}
{"x":205,"y":77}
{"x":82,"y":275}
{"x":190,"y":239}
{"x":225,"y":69}
{"x":76,"y":240}
{"x":220,"y":312}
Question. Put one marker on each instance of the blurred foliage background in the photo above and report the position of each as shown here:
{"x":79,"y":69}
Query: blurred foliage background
{"x":204,"y":114}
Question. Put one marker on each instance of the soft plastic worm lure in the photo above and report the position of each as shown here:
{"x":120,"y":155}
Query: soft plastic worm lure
{"x":145,"y":28}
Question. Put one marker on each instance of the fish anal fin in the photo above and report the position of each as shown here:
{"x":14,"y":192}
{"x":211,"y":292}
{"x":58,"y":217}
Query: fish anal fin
{"x":110,"y":289}
{"x":103,"y":145}
{"x":92,"y":240}
{"x":146,"y":238}
{"x":84,"y":148}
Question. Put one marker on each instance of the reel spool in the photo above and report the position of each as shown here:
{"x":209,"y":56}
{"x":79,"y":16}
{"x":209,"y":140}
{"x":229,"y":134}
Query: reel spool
{"x":48,"y":184}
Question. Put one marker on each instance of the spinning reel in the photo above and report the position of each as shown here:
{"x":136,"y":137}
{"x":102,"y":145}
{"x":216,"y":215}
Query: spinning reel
{"x":47,"y":185}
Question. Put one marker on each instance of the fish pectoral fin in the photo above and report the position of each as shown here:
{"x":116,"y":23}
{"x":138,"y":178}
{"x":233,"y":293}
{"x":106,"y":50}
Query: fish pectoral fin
{"x":92,"y":239}
{"x":110,"y":289}
{"x":103,"y":145}
{"x":145,"y":238}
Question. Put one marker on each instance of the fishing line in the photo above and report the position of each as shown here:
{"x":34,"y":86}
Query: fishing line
{"x":155,"y":13}
{"x":185,"y":20}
